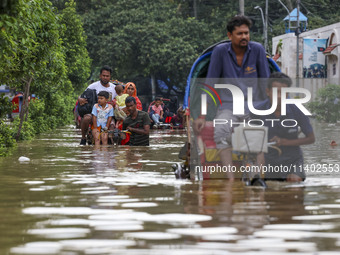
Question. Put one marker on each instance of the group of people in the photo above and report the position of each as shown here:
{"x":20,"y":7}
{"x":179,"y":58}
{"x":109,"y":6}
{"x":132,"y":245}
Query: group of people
{"x":239,"y":59}
{"x":244,"y":63}
{"x":117,"y":107}
{"x":159,"y":114}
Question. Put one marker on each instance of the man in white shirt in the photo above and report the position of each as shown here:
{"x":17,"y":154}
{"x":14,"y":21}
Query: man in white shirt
{"x":103,"y":84}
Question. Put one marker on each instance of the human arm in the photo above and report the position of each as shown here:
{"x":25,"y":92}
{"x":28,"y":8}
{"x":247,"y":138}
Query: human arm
{"x":161,"y":114}
{"x":216,"y":63}
{"x":94,"y":117}
{"x":199,"y":124}
{"x":94,"y":122}
{"x":308,"y":139}
{"x":260,"y":159}
{"x":306,"y":128}
{"x":143,"y":131}
{"x":113,"y":103}
{"x":146,"y":125}
{"x":122,"y":134}
{"x":109,"y":119}
{"x":82,"y":101}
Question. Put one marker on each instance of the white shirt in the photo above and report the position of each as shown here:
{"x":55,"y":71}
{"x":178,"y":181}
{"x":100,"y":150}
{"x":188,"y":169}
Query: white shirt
{"x":99,"y":87}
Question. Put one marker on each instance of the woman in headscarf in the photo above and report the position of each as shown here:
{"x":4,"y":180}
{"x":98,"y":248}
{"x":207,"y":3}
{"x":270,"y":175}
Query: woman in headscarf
{"x":131,"y":90}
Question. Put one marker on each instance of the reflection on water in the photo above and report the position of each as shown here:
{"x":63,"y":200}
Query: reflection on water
{"x":119,"y":200}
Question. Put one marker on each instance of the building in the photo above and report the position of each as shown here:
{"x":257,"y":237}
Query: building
{"x":318,"y":45}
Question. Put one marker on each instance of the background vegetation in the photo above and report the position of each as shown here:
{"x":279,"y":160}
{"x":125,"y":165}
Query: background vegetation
{"x":326,"y":106}
{"x":53,"y":48}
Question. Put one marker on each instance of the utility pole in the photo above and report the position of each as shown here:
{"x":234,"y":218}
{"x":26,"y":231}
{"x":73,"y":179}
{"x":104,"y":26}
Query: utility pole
{"x":297,"y":44}
{"x":288,"y":14}
{"x":241,"y":3}
{"x":266,"y":28}
{"x":195,"y":9}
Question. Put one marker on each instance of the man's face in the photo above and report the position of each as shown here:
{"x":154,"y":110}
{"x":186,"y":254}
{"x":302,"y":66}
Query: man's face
{"x":279,"y":86}
{"x":240,"y":36}
{"x":131,"y":107}
{"x":105,"y":77}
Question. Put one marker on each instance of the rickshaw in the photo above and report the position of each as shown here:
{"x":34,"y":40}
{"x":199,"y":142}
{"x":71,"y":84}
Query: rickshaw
{"x":202,"y":146}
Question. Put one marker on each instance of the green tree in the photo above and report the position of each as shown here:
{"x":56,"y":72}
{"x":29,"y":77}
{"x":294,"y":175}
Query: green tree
{"x":145,"y":38}
{"x":74,"y":41}
{"x":326,"y":106}
{"x":6,"y":139}
{"x":32,"y":55}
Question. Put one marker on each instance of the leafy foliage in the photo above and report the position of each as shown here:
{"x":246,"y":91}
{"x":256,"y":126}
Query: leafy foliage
{"x":5,"y":106}
{"x":27,"y":130}
{"x":33,"y":57}
{"x":143,"y":39}
{"x":326,"y":107}
{"x":77,"y":59}
{"x":6,"y":139}
{"x":43,"y":49}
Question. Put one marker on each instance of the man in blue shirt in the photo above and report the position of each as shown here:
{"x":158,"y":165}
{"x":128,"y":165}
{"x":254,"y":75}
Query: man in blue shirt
{"x":286,"y":136}
{"x":239,"y":58}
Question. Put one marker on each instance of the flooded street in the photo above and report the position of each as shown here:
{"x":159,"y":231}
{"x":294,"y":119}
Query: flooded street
{"x":74,"y":200}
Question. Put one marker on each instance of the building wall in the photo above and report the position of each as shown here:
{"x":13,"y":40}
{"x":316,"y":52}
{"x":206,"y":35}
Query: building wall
{"x":287,"y":61}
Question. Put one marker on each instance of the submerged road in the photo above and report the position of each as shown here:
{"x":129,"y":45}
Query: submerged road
{"x":119,"y":200}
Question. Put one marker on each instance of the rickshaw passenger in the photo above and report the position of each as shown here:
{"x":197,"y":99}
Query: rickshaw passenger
{"x":102,"y":114}
{"x":103,"y":84}
{"x":156,"y":112}
{"x":120,"y":108}
{"x":178,"y":120}
{"x":131,"y":89}
{"x":286,"y":137}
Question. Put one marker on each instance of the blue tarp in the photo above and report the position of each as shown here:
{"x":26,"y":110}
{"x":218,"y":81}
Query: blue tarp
{"x":162,"y":85}
{"x":293,"y":16}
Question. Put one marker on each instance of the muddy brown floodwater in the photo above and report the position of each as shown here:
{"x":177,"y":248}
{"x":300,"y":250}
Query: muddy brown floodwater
{"x":74,"y":200}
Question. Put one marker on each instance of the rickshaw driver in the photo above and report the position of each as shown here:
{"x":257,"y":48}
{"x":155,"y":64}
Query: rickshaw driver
{"x":239,"y":58}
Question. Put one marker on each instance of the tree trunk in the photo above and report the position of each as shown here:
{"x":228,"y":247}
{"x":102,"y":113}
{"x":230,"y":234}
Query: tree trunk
{"x":24,"y":108}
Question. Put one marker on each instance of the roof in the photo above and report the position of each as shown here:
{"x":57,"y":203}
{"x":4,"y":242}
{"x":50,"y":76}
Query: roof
{"x":293,"y":16}
{"x":330,"y":48}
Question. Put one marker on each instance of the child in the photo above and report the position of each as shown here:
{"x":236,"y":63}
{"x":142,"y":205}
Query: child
{"x":120,"y":105}
{"x":157,"y":111}
{"x":102,"y":114}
